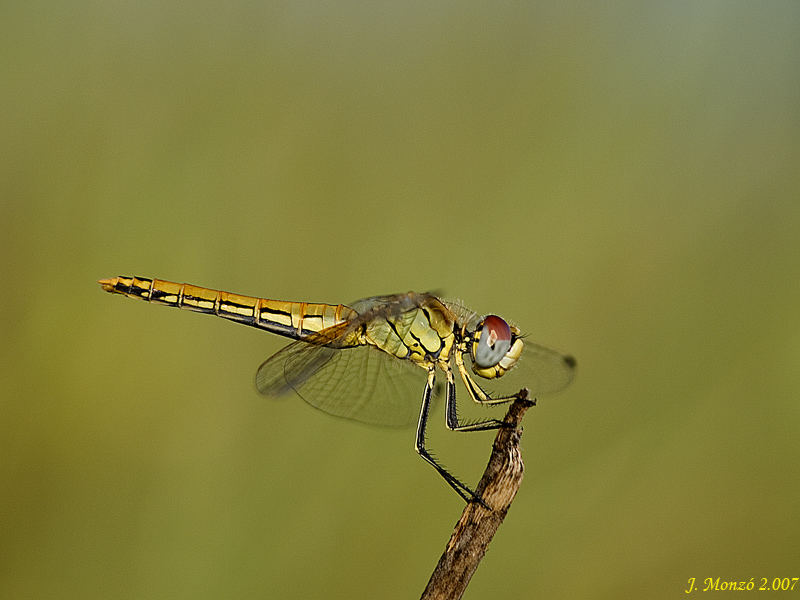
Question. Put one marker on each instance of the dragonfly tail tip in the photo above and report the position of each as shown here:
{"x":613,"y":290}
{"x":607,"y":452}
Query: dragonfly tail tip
{"x":108,"y":284}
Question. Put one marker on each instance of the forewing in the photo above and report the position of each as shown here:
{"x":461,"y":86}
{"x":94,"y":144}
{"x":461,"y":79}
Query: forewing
{"x":543,"y":370}
{"x":540,"y":369}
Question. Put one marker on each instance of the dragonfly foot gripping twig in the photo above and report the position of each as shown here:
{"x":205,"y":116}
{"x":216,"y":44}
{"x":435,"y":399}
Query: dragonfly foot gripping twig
{"x":478,"y":524}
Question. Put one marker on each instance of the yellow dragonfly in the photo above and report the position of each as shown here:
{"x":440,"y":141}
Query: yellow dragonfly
{"x":366,"y":361}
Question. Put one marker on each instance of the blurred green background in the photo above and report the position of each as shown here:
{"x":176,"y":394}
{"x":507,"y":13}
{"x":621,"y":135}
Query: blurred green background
{"x":622,"y":182}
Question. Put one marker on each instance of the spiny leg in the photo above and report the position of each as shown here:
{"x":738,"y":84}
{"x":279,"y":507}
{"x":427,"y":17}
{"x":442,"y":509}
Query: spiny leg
{"x":461,"y":489}
{"x":476,"y":392}
{"x":451,"y":410}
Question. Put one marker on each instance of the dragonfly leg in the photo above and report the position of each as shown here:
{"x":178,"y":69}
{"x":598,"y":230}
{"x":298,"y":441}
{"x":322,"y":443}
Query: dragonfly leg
{"x":451,"y":410}
{"x":461,"y":489}
{"x":476,"y":392}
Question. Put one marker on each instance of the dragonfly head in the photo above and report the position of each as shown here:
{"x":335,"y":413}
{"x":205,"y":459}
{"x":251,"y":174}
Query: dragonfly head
{"x":496,"y":347}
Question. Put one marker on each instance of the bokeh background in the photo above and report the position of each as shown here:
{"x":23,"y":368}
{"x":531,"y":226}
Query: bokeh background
{"x":623,"y":182}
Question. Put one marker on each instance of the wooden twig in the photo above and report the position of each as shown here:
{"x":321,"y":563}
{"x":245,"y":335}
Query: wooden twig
{"x":478,"y":524}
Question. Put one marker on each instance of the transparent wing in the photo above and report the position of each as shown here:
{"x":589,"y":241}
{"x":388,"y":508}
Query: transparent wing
{"x":540,"y":369}
{"x":543,"y":370}
{"x":360,"y":383}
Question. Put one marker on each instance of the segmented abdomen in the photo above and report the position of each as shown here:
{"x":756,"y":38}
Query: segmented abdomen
{"x":291,"y":319}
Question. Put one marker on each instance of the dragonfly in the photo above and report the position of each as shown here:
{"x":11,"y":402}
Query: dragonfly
{"x":367,"y":360}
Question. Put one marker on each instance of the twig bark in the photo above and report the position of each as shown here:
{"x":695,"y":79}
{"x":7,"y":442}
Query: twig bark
{"x":478,"y":524}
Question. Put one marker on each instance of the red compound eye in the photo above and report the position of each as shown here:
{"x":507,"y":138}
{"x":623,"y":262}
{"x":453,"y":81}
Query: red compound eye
{"x":496,"y":325}
{"x":494,"y":342}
